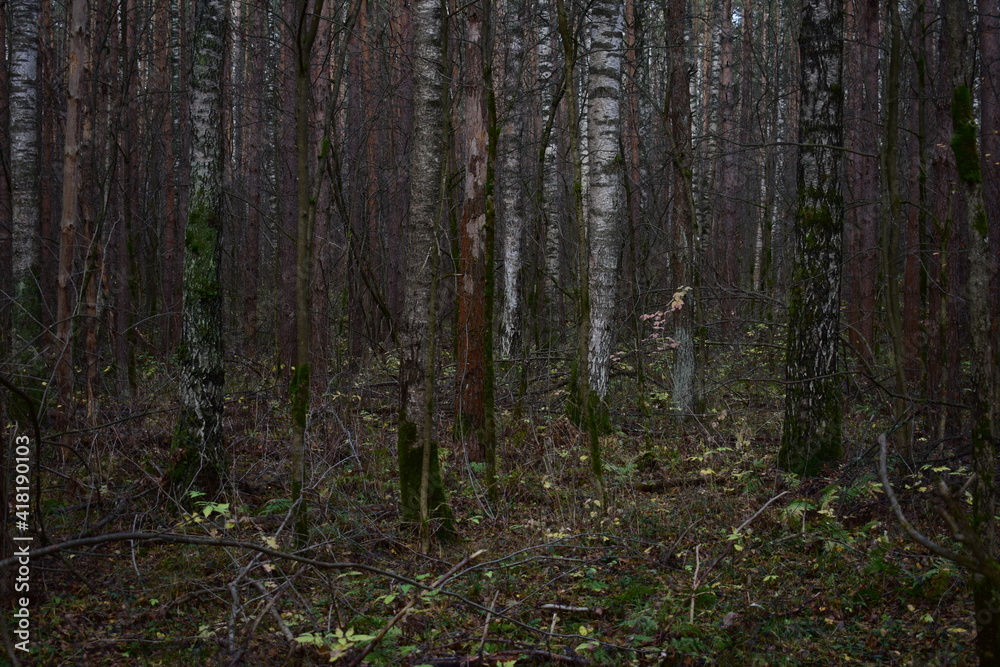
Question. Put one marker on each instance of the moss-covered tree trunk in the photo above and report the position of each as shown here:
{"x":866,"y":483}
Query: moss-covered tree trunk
{"x":305,"y":35}
{"x":811,"y":434}
{"x":983,"y":355}
{"x":421,"y":491}
{"x":198,"y":442}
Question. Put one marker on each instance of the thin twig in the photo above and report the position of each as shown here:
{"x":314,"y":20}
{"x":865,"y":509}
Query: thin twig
{"x":914,"y":534}
{"x":486,"y":627}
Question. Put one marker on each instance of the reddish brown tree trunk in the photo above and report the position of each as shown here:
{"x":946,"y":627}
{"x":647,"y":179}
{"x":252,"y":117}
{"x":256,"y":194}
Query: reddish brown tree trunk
{"x":862,"y":210}
{"x":731,"y":177}
{"x":470,"y":414}
{"x":171,"y":267}
{"x":630,"y":130}
{"x":73,"y":140}
{"x":254,"y":156}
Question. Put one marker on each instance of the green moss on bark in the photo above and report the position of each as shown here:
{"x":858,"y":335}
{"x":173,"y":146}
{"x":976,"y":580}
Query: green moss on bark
{"x":410,"y":452}
{"x":807,"y":447}
{"x":193,"y":469}
{"x":963,"y":141}
{"x":200,"y":238}
{"x":299,"y":391}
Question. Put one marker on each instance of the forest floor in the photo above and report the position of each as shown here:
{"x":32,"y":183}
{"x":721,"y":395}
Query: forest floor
{"x":705,"y":552}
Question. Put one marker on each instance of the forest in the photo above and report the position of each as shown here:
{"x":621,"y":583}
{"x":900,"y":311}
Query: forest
{"x":499,"y":332}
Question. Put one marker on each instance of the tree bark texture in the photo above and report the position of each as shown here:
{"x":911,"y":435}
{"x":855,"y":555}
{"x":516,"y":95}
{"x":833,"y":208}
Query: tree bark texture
{"x":24,"y":167}
{"x":985,"y":365}
{"x":989,"y":104}
{"x":421,"y":490}
{"x":6,"y":228}
{"x":730,"y":179}
{"x":304,"y":34}
{"x":201,"y":462}
{"x":862,"y":216}
{"x":682,"y":210}
{"x":511,"y":199}
{"x":811,"y":432}
{"x":73,"y":139}
{"x":470,"y":409}
{"x":605,"y":198}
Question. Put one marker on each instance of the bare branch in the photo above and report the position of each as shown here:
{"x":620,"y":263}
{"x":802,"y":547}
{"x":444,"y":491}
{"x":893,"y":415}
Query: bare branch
{"x":914,"y":534}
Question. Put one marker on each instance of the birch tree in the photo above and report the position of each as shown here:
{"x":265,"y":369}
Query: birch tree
{"x":584,"y":398}
{"x":24,"y":164}
{"x":201,"y":464}
{"x":421,"y":491}
{"x":605,"y":190}
{"x":511,"y":201}
{"x":811,"y":433}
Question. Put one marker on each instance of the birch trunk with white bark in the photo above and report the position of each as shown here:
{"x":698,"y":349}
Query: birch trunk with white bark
{"x":421,"y":491}
{"x":24,"y":166}
{"x":605,"y":189}
{"x":198,"y":439}
{"x":511,"y":200}
{"x":811,"y":435}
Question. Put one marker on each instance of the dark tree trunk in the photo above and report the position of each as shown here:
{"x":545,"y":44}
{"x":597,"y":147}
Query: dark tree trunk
{"x":470,"y":375}
{"x":682,"y":210}
{"x":862,"y":213}
{"x":983,"y":356}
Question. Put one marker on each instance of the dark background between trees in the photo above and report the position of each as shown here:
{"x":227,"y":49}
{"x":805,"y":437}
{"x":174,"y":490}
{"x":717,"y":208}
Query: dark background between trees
{"x":386,"y":283}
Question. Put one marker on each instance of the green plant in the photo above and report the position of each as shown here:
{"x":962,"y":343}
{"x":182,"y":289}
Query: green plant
{"x":336,"y":644}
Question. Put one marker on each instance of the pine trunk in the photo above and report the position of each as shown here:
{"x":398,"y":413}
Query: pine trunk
{"x":984,"y":362}
{"x":682,"y":212}
{"x":470,"y":407}
{"x":65,"y":293}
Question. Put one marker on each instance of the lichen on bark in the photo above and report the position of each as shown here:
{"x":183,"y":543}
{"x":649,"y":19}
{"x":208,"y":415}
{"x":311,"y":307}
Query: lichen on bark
{"x":198,"y":441}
